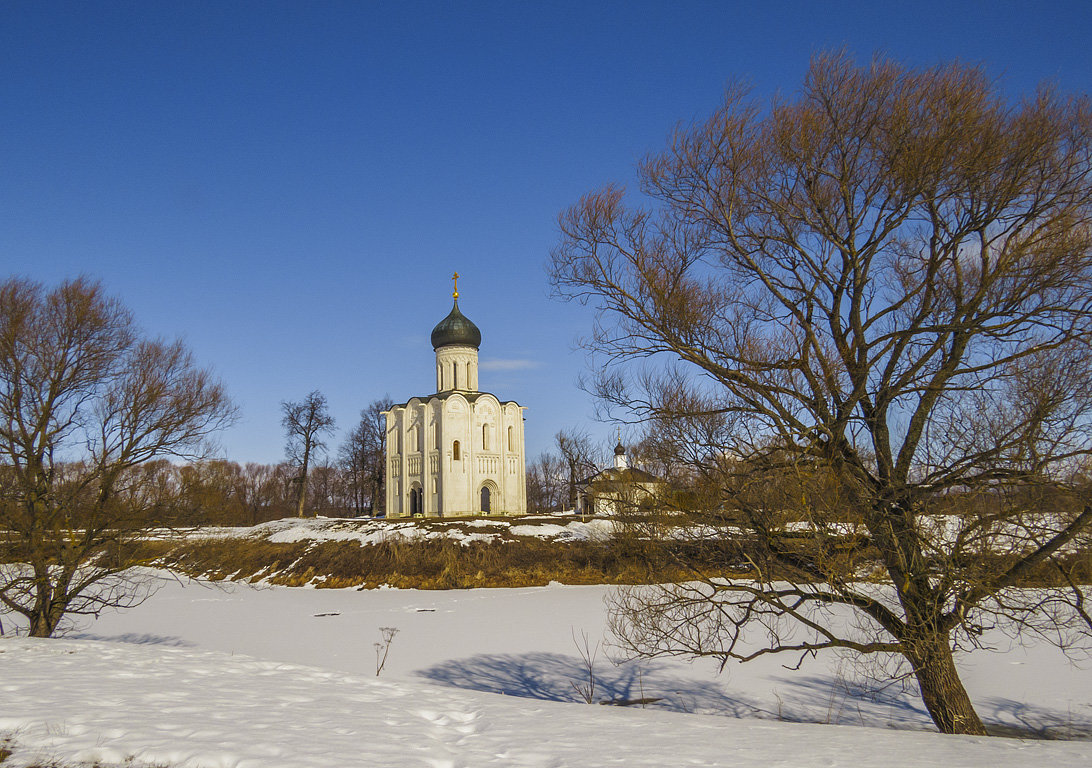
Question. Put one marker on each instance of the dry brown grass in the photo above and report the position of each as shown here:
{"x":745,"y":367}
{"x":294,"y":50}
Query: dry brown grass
{"x":445,"y":563}
{"x":433,"y":564}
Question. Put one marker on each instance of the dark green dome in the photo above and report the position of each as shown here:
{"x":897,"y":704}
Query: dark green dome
{"x":456,"y":328}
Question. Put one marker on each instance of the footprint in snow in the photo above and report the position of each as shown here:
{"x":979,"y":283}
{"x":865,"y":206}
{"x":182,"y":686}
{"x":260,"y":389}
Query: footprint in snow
{"x":460,"y":722}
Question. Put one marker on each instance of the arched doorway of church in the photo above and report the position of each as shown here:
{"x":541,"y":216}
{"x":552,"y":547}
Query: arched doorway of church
{"x":487,"y":500}
{"x":415,"y":501}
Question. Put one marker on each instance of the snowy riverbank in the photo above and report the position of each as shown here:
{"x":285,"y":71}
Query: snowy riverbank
{"x":235,"y":676}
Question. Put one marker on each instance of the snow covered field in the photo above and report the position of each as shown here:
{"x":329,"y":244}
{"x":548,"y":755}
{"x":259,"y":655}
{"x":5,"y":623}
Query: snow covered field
{"x":236,"y":676}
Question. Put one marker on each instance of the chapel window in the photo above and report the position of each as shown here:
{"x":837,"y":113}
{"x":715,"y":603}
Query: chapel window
{"x":485,"y":437}
{"x":455,"y":451}
{"x":510,"y":440}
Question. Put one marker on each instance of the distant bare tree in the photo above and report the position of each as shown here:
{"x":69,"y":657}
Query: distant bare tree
{"x":212,"y":492}
{"x":324,"y":489}
{"x":547,"y":483}
{"x":305,"y":422}
{"x":258,"y":484}
{"x":87,"y":406}
{"x":580,"y":457}
{"x":863,"y":317}
{"x":363,"y":457}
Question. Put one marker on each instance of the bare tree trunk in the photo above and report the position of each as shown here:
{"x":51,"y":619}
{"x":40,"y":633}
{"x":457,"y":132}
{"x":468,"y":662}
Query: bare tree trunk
{"x":572,"y":486}
{"x":39,"y":627}
{"x":44,"y":623}
{"x":941,"y":689}
{"x":44,"y":616}
{"x":303,"y":481}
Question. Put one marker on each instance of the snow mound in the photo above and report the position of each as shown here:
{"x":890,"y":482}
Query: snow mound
{"x":369,"y":531}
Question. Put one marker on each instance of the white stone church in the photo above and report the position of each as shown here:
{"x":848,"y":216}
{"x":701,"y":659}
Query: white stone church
{"x":458,"y":451}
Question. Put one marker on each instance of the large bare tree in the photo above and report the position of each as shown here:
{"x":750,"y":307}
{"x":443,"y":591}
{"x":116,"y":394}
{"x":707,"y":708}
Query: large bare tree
{"x":86,"y":406}
{"x":305,"y":422}
{"x":862,"y":316}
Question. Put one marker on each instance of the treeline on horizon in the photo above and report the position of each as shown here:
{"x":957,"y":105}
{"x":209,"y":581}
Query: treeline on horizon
{"x":231,"y":493}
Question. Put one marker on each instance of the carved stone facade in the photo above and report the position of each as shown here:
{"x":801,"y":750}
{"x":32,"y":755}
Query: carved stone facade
{"x":459,"y":451}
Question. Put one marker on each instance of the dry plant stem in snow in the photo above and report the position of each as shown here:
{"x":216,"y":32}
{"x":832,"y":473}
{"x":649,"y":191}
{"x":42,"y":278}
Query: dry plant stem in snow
{"x":383,"y":647}
{"x":587,"y":656}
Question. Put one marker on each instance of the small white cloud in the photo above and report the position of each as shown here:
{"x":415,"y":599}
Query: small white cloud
{"x":508,"y":365}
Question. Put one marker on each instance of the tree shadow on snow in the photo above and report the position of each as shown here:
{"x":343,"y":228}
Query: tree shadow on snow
{"x":839,"y":700}
{"x":1021,"y":720}
{"x":136,"y":638}
{"x":801,"y":698}
{"x":555,"y":677}
{"x":845,"y":701}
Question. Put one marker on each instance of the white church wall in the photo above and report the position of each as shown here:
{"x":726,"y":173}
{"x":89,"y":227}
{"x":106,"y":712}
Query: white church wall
{"x":456,"y":480}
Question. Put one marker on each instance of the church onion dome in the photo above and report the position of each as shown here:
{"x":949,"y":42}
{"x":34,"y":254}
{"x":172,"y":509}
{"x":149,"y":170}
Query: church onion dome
{"x":619,"y":450}
{"x":456,"y":328}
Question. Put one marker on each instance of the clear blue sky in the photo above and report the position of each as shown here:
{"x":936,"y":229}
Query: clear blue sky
{"x":289,"y":186}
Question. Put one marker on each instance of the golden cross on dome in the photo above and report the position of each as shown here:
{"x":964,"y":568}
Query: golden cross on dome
{"x":455,"y":293}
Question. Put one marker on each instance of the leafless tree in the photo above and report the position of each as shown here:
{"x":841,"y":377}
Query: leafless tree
{"x":580,"y":456}
{"x":260,"y":492}
{"x":212,"y":492}
{"x":363,"y":457}
{"x":547,"y":483}
{"x":862,"y":316}
{"x":305,"y":422}
{"x":86,"y":404}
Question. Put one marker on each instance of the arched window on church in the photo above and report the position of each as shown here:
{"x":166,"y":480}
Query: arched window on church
{"x":455,"y":454}
{"x":468,"y":375}
{"x":485,"y":437}
{"x":454,"y":375}
{"x":437,"y":434}
{"x":511,"y":442}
